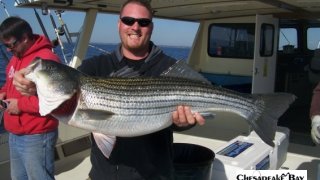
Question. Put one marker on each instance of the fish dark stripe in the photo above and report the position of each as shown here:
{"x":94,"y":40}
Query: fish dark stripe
{"x":132,"y":96}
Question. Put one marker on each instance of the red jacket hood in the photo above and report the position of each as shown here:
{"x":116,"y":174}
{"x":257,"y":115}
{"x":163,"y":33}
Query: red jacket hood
{"x":41,"y":42}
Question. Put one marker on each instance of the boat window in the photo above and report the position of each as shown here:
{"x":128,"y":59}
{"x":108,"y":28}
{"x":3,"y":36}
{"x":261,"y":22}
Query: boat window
{"x":288,"y":39}
{"x":266,"y":40}
{"x":313,"y":38}
{"x":231,"y":40}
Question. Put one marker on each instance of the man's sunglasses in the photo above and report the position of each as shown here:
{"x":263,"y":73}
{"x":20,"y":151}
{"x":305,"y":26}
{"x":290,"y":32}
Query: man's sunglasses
{"x":11,"y":45}
{"x":129,"y":21}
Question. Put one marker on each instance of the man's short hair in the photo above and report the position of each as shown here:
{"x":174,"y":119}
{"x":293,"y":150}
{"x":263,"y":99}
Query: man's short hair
{"x":145,"y":3}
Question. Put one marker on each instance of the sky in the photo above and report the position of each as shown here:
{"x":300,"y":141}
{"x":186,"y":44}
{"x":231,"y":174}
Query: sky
{"x":166,"y":32}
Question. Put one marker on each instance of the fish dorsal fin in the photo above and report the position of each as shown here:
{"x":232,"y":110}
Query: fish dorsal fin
{"x":125,"y":72}
{"x":183,"y":70}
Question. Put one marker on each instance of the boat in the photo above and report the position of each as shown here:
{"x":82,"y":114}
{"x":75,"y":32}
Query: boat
{"x":251,"y":46}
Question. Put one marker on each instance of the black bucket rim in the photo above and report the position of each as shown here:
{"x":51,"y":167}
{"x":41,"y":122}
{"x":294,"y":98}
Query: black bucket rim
{"x":207,"y":154}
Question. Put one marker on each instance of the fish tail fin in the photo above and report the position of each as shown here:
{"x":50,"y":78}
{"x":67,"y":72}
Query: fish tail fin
{"x":274,"y":105}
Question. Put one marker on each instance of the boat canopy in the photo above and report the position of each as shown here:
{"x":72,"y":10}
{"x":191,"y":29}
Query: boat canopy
{"x":195,"y":10}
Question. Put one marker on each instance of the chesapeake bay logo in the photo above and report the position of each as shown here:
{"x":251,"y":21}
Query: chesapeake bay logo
{"x":271,"y":175}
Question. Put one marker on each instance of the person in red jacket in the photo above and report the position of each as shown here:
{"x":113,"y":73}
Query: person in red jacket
{"x":32,"y":137}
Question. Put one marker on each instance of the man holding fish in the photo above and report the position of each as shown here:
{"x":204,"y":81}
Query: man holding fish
{"x":146,"y":156}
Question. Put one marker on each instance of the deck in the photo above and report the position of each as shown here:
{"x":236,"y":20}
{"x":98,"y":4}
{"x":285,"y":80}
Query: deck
{"x":294,"y":160}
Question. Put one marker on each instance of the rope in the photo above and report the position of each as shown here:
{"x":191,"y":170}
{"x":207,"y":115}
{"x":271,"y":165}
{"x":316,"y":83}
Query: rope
{"x":285,"y":37}
{"x":102,"y":50}
{"x":4,"y":7}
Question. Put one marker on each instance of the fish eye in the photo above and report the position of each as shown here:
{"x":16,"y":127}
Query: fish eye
{"x":50,"y":67}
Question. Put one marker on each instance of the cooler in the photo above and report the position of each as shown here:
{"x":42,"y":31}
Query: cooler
{"x":281,"y":142}
{"x":241,"y":153}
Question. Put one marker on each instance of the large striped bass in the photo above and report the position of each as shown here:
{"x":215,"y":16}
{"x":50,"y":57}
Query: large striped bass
{"x":141,"y":105}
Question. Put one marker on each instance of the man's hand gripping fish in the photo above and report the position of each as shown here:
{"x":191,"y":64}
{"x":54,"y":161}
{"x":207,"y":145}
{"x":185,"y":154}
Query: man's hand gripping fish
{"x":124,"y":106}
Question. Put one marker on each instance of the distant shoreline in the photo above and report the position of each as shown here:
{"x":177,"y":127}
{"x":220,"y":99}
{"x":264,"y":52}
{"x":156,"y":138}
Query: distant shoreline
{"x":178,"y":52}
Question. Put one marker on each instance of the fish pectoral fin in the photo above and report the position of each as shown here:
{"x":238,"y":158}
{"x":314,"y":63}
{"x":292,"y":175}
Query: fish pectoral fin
{"x":48,"y":103}
{"x":93,"y":114}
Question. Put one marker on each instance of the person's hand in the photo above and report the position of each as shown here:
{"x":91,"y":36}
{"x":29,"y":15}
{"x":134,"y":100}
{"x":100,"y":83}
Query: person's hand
{"x":23,"y":85}
{"x":184,"y":117}
{"x":315,"y":130}
{"x":13,"y":106}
